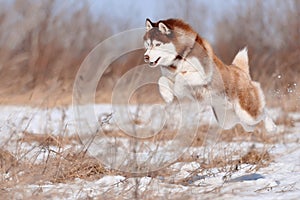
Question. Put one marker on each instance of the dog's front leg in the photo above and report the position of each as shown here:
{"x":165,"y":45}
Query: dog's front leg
{"x":166,"y":89}
{"x":182,"y":88}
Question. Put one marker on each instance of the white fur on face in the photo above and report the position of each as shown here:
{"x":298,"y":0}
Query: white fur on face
{"x":160,"y":53}
{"x":147,"y":44}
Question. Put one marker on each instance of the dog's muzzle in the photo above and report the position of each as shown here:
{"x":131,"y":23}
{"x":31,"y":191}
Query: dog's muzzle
{"x":154,"y":63}
{"x":147,"y":60}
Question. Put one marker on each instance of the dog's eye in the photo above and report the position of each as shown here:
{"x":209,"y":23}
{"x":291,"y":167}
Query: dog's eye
{"x":157,"y":44}
{"x":146,"y":44}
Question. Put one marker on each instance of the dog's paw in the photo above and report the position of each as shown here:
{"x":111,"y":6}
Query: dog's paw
{"x":270,"y":125}
{"x":167,"y":96}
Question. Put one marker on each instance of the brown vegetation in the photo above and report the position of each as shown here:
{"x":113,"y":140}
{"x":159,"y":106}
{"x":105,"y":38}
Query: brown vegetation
{"x":42,"y":47}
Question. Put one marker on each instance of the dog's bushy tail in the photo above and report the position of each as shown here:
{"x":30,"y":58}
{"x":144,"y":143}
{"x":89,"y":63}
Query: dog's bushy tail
{"x":241,"y":60}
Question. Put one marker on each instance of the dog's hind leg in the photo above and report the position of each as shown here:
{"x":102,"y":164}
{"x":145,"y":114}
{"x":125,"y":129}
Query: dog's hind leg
{"x":248,"y":128}
{"x":225,"y":117}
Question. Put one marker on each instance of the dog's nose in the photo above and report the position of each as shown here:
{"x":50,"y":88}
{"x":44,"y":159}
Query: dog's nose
{"x":146,"y":58}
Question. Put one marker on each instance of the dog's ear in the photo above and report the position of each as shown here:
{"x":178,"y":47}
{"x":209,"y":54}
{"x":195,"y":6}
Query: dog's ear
{"x":148,"y":24}
{"x":163,"y":28}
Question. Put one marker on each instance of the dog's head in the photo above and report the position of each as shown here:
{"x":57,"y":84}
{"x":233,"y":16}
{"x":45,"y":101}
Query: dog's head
{"x":158,"y":41}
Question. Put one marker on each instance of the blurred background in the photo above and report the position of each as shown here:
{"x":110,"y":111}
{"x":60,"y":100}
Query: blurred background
{"x":43,"y":43}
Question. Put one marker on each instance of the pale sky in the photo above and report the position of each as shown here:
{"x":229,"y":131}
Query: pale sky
{"x":135,"y":12}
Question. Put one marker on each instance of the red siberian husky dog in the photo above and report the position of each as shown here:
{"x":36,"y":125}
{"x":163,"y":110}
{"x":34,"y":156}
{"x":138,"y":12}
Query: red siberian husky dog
{"x":190,"y":68}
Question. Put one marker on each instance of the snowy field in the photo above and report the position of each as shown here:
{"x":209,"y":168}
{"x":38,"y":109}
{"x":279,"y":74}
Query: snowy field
{"x":153,"y":157}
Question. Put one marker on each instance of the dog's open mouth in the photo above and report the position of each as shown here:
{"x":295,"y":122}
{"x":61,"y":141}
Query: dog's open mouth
{"x":155,"y":62}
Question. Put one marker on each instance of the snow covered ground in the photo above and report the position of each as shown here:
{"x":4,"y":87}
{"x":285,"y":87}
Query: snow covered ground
{"x":172,"y":178}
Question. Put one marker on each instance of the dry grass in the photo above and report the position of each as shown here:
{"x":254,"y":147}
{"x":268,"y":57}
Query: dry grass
{"x":63,"y":163}
{"x":7,"y":161}
{"x":257,"y":158}
{"x":78,"y":166}
{"x":48,"y":139}
{"x":59,"y":167}
{"x":66,"y":163}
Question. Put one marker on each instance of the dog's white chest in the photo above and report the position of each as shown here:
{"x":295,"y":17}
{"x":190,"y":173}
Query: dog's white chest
{"x":182,"y":81}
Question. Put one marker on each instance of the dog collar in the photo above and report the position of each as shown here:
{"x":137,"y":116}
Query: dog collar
{"x":171,"y":68}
